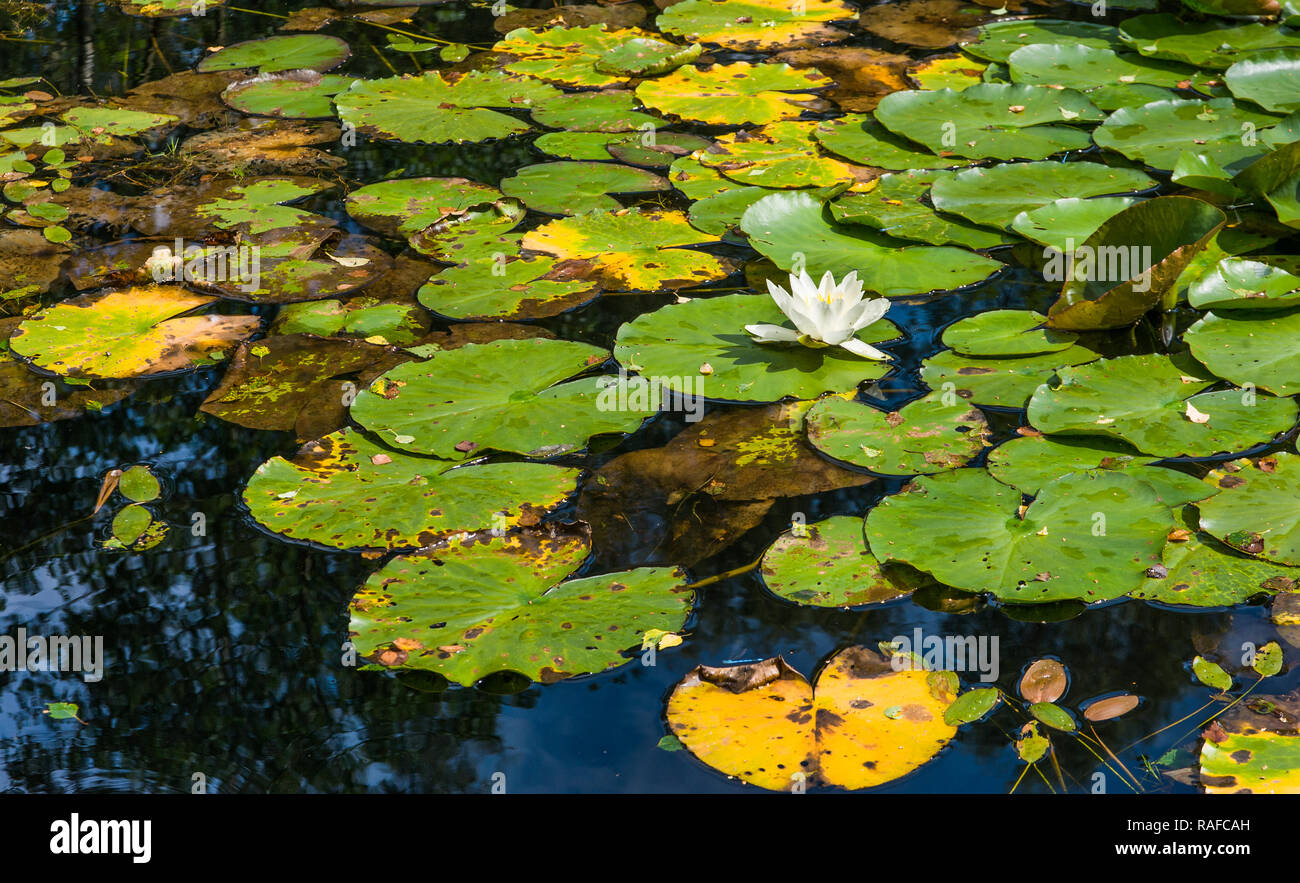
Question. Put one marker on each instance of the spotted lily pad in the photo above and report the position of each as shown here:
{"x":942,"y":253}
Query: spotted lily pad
{"x":749,"y":25}
{"x":675,"y":344}
{"x":1006,"y":333}
{"x":479,"y":231}
{"x":1199,"y":572}
{"x":137,"y":332}
{"x":645,"y":56}
{"x":436,"y":108}
{"x":828,"y":564}
{"x":733,"y":94}
{"x":778,"y":155}
{"x":1156,"y":403}
{"x":565,"y":55}
{"x":765,"y":724}
{"x":522,"y":288}
{"x":474,"y":399}
{"x":318,"y":52}
{"x":573,"y":188}
{"x":1262,"y":762}
{"x":1087,"y":536}
{"x":1077,"y":66}
{"x":330,"y":493}
{"x":478,"y":606}
{"x":925,"y":436}
{"x":786,"y":225}
{"x":404,"y":206}
{"x":1257,"y":509}
{"x":632,"y":250}
{"x":991,"y":120}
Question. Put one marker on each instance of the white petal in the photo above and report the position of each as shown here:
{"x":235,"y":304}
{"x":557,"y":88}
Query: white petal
{"x":869,"y":311}
{"x":772,"y":333}
{"x":866,"y":350}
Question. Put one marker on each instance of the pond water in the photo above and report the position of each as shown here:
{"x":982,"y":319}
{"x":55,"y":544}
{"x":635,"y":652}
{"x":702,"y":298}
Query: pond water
{"x":224,"y":649}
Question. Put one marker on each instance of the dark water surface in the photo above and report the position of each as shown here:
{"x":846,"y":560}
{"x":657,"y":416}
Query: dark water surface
{"x":224,"y":650}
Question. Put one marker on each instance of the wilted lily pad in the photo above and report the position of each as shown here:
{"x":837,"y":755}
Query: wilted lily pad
{"x":966,"y":529}
{"x":749,"y":25}
{"x":828,"y":564}
{"x":483,"y":605}
{"x":330,"y":494}
{"x":925,"y":436}
{"x":1156,"y":403}
{"x":778,"y":155}
{"x":645,"y":56}
{"x":136,"y":332}
{"x":765,"y":724}
{"x":1262,"y":762}
{"x":565,"y":55}
{"x":703,"y":343}
{"x":1257,"y":509}
{"x":733,"y":94}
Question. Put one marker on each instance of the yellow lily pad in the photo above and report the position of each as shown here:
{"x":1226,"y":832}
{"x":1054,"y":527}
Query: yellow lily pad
{"x":733,"y":94}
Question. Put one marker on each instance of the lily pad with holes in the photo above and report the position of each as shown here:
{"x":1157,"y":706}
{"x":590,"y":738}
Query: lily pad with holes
{"x":997,"y":382}
{"x":765,"y":724}
{"x":1157,"y":404}
{"x":932,"y":434}
{"x":478,"y":606}
{"x":675,"y":342}
{"x":508,"y":395}
{"x":137,"y":332}
{"x":318,"y":52}
{"x":991,"y":120}
{"x":655,"y":150}
{"x":996,"y":195}
{"x":964,"y":528}
{"x":330,"y":494}
{"x":784,"y":225}
{"x":1029,"y":463}
{"x":633,"y":250}
{"x":1006,"y":333}
{"x":574,"y":188}
{"x":733,"y":94}
{"x":896,"y":207}
{"x":404,"y":206}
{"x":1199,"y":572}
{"x":521,"y":288}
{"x":294,"y":95}
{"x":1257,"y":510}
{"x":104,"y":123}
{"x":750,"y":25}
{"x":1249,"y":348}
{"x":435,"y":108}
{"x":828,"y":564}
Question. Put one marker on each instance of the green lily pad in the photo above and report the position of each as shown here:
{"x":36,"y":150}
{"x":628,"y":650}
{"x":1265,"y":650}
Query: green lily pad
{"x":749,"y":25}
{"x":925,"y":436}
{"x":404,"y":206}
{"x":1081,"y":67}
{"x":1086,"y":536}
{"x":733,"y":94}
{"x":473,"y":399}
{"x":575,"y":145}
{"x":1257,"y":510}
{"x":645,"y":56}
{"x":896,"y":208}
{"x":336,"y":269}
{"x":1270,"y":79}
{"x":1254,"y":283}
{"x":971,"y":706}
{"x":1211,"y":674}
{"x":828,"y":564}
{"x":674,"y":343}
{"x":632,"y":250}
{"x":139,"y":485}
{"x":995,"y":196}
{"x":722,"y":212}
{"x":1159,"y":133}
{"x":1054,"y":716}
{"x":610,"y":110}
{"x":1201,"y":573}
{"x":785,"y":226}
{"x":697,"y":180}
{"x":480,"y":231}
{"x":137,"y":332}
{"x":1249,"y":348}
{"x":778,"y":155}
{"x":522,"y":288}
{"x":1156,"y":403}
{"x":105,"y":123}
{"x":999,"y":39}
{"x":132,"y":525}
{"x":1210,"y":43}
{"x":294,"y":95}
{"x":318,"y":52}
{"x":1029,"y":463}
{"x":258,"y":208}
{"x":435,"y":108}
{"x":860,"y":139}
{"x":572,"y":188}
{"x":565,"y":55}
{"x":991,"y":120}
{"x":1110,"y":283}
{"x":1006,"y":333}
{"x":654,"y":149}
{"x":1000,"y":382}
{"x":476,"y":607}
{"x":330,"y":492}
{"x":1063,"y":223}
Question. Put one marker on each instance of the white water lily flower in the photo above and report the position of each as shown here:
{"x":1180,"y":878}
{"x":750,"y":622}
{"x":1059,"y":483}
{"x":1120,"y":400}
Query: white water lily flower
{"x":825,"y":315}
